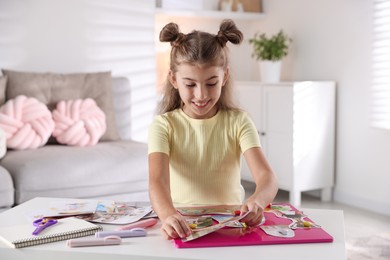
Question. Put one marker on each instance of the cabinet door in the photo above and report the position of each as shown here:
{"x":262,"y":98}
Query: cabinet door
{"x":249,"y":99}
{"x":277,"y":131}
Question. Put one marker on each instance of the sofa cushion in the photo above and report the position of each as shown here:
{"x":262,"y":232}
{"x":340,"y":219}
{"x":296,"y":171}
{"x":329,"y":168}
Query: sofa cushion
{"x":104,"y":169}
{"x":50,"y":88}
{"x":3,"y":84}
{"x":121,"y":91}
{"x":78,"y":122}
{"x":27,"y":122}
{"x":6,"y":189}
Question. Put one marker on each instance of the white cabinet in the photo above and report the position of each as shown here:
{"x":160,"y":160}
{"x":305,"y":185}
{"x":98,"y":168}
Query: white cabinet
{"x":296,"y":123}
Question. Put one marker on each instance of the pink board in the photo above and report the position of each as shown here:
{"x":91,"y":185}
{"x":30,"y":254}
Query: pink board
{"x":256,"y":236}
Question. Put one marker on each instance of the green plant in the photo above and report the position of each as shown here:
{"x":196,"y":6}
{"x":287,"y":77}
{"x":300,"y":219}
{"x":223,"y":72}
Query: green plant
{"x":273,"y":49}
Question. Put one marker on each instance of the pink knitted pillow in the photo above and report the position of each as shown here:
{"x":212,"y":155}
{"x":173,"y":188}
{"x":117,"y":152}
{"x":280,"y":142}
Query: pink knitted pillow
{"x":26,"y":122}
{"x":78,"y":122}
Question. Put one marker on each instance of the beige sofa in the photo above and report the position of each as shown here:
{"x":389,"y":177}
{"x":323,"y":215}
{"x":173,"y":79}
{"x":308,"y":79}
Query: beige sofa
{"x":110,"y":169}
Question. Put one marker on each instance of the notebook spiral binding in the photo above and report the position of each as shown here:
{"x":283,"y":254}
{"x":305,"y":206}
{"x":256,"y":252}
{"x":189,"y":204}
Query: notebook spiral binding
{"x":57,"y":237}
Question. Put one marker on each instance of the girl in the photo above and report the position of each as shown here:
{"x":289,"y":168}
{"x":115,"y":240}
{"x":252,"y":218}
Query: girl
{"x":196,"y":142}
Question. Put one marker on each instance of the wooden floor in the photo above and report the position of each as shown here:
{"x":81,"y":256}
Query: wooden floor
{"x":367,"y":234}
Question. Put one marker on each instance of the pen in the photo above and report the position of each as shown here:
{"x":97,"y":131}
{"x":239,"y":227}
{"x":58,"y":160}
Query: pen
{"x":139,"y":224}
{"x":135,"y":232}
{"x":106,"y":241}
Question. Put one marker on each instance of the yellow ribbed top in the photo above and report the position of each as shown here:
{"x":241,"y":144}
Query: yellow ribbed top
{"x":204,"y":154}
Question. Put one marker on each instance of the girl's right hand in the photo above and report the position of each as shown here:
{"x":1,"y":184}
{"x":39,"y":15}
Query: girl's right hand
{"x":175,"y":226}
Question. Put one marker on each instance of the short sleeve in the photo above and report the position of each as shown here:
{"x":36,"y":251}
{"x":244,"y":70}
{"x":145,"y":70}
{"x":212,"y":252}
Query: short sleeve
{"x":158,"y":136}
{"x":248,"y":135}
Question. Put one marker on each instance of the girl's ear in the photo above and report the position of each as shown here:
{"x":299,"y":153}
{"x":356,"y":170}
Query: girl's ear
{"x":226,"y":75}
{"x":172,"y":78}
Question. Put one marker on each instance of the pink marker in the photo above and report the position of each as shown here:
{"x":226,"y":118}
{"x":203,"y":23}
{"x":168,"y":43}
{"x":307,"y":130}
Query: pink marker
{"x":139,"y":224}
{"x":106,"y":241}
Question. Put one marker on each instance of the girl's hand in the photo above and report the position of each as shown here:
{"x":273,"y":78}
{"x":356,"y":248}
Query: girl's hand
{"x":175,"y":226}
{"x":255,"y":214}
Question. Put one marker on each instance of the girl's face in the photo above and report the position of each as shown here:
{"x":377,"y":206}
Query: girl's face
{"x":199,"y":88}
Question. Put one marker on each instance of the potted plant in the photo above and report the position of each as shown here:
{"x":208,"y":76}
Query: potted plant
{"x":269,"y":52}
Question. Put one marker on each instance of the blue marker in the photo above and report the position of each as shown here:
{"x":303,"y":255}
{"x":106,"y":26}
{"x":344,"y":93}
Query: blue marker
{"x":135,"y":232}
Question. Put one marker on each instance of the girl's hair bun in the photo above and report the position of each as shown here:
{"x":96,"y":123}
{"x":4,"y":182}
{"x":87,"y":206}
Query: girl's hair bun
{"x":228,"y":31}
{"x":171,"y":33}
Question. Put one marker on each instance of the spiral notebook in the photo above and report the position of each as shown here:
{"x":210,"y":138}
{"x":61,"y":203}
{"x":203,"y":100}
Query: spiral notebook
{"x":66,"y":228}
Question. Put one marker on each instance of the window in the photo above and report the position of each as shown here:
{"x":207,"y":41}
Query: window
{"x":381,"y":65}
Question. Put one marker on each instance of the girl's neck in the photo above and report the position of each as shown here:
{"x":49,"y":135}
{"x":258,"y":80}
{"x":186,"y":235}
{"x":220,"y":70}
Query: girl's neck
{"x":212,"y":113}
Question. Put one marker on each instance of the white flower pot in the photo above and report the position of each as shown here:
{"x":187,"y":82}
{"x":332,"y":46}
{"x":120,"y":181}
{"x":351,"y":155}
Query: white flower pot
{"x":270,"y":71}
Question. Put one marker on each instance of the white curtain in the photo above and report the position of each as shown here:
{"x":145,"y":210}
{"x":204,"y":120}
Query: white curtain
{"x":381,"y":65}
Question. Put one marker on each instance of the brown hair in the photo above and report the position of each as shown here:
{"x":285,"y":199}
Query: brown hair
{"x":199,"y":48}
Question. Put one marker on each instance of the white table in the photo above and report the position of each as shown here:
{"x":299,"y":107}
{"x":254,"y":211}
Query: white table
{"x":154,"y":246}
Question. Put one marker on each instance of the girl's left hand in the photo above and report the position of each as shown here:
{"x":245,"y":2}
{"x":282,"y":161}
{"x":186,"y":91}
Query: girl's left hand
{"x":255,"y":214}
